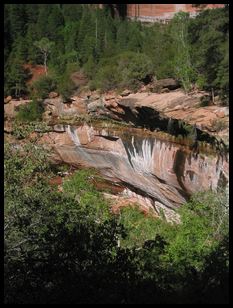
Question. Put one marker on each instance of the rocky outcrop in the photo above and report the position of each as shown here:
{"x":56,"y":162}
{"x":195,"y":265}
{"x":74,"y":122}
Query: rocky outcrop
{"x":7,"y":99}
{"x":53,"y":94}
{"x":159,"y":85}
{"x":12,"y":107}
{"x":163,"y":174}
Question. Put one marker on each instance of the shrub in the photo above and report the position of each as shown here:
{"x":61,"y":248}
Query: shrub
{"x":107,"y":78}
{"x":219,"y":124}
{"x":43,"y":86}
{"x":126,"y":70}
{"x":31,"y":112}
{"x":65,"y":85}
{"x":205,"y":101}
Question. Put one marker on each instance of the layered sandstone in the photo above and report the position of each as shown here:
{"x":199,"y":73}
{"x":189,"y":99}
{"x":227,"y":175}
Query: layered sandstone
{"x":163,"y":12}
{"x":163,"y":175}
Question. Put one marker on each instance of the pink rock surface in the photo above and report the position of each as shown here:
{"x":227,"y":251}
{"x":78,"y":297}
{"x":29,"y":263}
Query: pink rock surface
{"x":164,"y":172}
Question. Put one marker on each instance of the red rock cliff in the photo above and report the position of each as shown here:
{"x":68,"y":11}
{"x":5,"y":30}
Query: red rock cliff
{"x":154,"y":12}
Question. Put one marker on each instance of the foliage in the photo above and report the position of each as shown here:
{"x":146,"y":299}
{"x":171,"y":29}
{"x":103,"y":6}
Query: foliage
{"x":40,"y":226}
{"x":139,"y":228}
{"x":126,"y":70}
{"x":63,"y":247}
{"x":22,"y":129}
{"x":194,"y":50}
{"x":15,"y":79}
{"x":219,"y":124}
{"x":209,"y":38}
{"x":79,"y":187}
{"x":182,"y":65}
{"x":42,"y":86}
{"x":64,"y":85}
{"x":45,"y":46}
{"x":32,"y":111}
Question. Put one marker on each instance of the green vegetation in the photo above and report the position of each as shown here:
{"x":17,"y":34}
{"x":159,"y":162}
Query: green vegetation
{"x":43,"y":86}
{"x":139,"y":227}
{"x":126,"y":70}
{"x":219,"y":124}
{"x":112,"y":52}
{"x":66,"y":246}
{"x":32,"y":111}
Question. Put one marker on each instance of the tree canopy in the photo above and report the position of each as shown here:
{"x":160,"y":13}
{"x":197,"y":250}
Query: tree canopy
{"x":193,"y":50}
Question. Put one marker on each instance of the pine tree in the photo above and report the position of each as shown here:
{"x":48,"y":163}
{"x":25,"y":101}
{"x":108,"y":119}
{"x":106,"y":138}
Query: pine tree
{"x":55,"y":23}
{"x":122,"y":36}
{"x":42,"y":21}
{"x":16,"y":77}
{"x":32,"y":12}
{"x":18,"y":20}
{"x":135,"y":39}
{"x":72,"y":12}
{"x":32,"y":35}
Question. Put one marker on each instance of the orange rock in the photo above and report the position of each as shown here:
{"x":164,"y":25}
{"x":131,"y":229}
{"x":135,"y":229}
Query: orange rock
{"x":220,"y":114}
{"x":7,"y":99}
{"x":109,"y":97}
{"x":53,"y":94}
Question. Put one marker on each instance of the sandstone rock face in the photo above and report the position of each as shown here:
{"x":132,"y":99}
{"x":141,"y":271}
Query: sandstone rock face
{"x":53,"y":94}
{"x":55,"y":107}
{"x":58,"y":128}
{"x":161,"y":12}
{"x":162,"y":174}
{"x":125,"y":93}
{"x":7,"y":99}
{"x":11,"y":108}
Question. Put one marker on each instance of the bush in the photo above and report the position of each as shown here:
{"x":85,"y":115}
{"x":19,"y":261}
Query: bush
{"x":126,"y":70}
{"x":107,"y":78}
{"x":65,"y":85}
{"x":219,"y":124}
{"x":31,"y":112}
{"x":43,"y":86}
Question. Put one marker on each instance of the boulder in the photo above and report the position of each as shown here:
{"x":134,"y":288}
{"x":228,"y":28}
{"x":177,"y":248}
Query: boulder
{"x":47,"y":115}
{"x":220,"y":114}
{"x":94,"y":106}
{"x":165,"y":90}
{"x":59,"y":128}
{"x":143,"y":89}
{"x":126,"y":93}
{"x":111,"y":103}
{"x":7,"y":99}
{"x":53,"y":94}
{"x":169,"y":83}
{"x":109,"y":97}
{"x":94,"y":96}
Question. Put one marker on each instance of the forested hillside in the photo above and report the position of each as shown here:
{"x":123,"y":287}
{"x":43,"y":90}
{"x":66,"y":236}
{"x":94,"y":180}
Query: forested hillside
{"x":112,"y":52}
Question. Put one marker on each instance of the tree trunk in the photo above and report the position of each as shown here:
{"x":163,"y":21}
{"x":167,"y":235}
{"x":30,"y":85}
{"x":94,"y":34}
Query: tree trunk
{"x":45,"y":63}
{"x":212,"y":92}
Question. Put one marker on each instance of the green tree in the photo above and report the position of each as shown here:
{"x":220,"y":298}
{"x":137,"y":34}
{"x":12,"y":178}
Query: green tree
{"x":182,"y":65}
{"x":42,"y":20}
{"x":17,"y":16}
{"x":15,"y":79}
{"x":45,"y":46}
{"x":122,"y":36}
{"x":43,"y":86}
{"x":208,"y":34}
